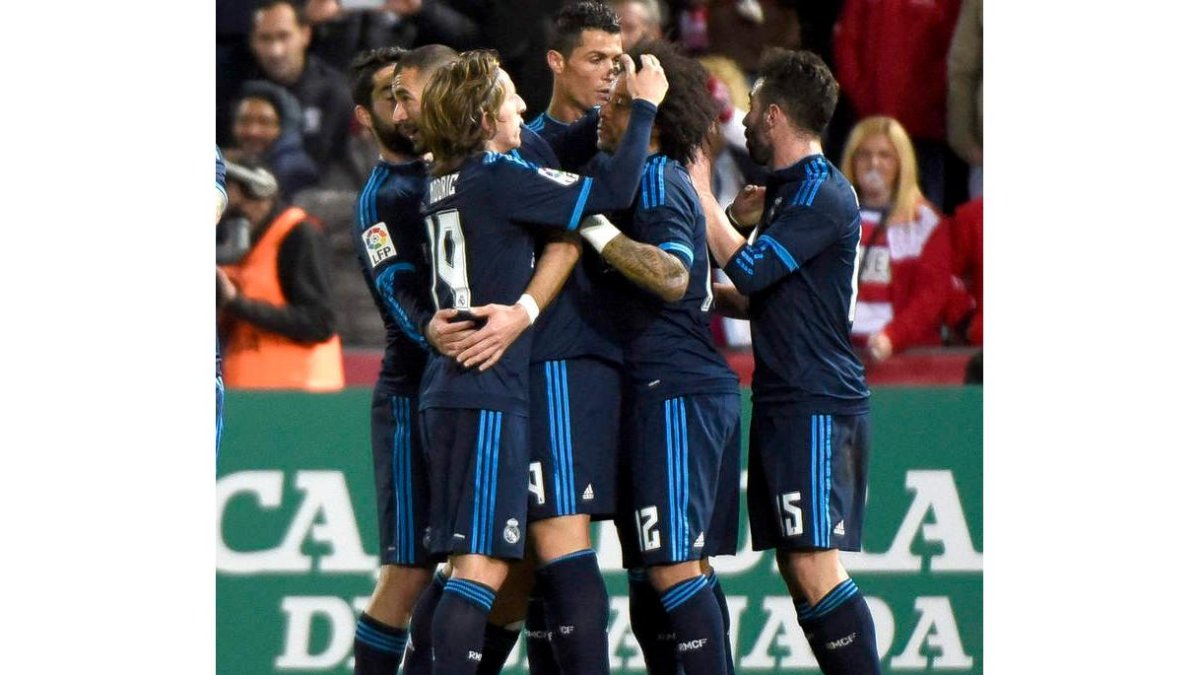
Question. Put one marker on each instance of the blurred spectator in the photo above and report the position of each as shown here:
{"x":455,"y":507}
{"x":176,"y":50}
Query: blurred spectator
{"x":692,"y":27}
{"x":639,"y":19}
{"x":904,"y":271}
{"x":277,"y":320}
{"x":234,"y":60}
{"x":964,"y":96}
{"x":519,"y":31}
{"x":965,"y":317}
{"x":343,"y":28}
{"x":890,"y":59}
{"x":729,"y":86}
{"x":279,"y":38}
{"x":266,"y":128}
{"x":742,"y":33}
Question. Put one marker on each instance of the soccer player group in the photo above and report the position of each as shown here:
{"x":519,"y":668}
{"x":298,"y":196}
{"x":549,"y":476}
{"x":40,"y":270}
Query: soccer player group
{"x":549,"y":362}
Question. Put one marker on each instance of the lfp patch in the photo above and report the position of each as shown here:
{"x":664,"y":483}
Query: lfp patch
{"x":561,"y":177}
{"x":379,"y":244}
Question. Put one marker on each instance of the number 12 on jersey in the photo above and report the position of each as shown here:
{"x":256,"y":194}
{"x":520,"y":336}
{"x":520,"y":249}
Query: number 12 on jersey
{"x":449,"y":257}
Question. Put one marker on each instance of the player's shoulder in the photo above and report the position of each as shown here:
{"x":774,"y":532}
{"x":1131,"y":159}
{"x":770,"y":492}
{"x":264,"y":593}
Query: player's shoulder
{"x":821,"y":188}
{"x":514,"y":167}
{"x":665,"y":182}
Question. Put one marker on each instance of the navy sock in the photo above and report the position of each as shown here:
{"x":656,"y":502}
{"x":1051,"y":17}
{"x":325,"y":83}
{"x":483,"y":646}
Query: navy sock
{"x":418,"y":658}
{"x":539,"y":639}
{"x":650,"y":625}
{"x":378,"y":647}
{"x":699,"y":633}
{"x":841,"y":632}
{"x":458,"y":625}
{"x":719,"y":594}
{"x":576,"y":604}
{"x":498,"y":642}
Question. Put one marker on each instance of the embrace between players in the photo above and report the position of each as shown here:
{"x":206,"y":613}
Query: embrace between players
{"x":562,"y":369}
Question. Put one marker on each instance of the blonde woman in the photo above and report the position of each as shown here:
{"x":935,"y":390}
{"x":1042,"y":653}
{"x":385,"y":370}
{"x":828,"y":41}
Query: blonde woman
{"x":904,"y":275}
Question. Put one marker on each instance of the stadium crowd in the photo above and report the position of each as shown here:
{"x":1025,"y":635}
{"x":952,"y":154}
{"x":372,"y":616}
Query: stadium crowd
{"x":283,"y":97}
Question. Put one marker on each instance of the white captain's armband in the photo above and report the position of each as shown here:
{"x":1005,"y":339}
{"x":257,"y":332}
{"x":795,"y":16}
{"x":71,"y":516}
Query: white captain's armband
{"x":564,"y":178}
{"x":380,"y":246}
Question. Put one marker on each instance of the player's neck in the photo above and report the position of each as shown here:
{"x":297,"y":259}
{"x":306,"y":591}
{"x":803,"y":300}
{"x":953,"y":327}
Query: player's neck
{"x":563,"y":110}
{"x":394,"y":157}
{"x":791,"y":150}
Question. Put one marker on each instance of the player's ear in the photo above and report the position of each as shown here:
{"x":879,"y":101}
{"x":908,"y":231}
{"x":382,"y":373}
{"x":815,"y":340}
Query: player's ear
{"x":363,"y":116}
{"x":555,"y":60}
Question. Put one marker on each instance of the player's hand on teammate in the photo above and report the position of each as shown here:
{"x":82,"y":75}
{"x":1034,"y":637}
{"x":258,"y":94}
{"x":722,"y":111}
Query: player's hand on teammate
{"x":447,"y":331}
{"x":650,"y":83}
{"x":700,"y":169}
{"x":747,"y":207}
{"x":484,"y":347}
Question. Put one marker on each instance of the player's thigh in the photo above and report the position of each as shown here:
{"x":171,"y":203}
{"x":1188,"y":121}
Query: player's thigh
{"x":676,"y":450}
{"x":401,"y":479}
{"x":574,"y":431}
{"x":808,"y":478}
{"x":478,"y":468}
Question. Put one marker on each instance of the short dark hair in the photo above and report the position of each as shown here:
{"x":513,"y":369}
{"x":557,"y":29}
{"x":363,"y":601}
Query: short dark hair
{"x":270,"y":4}
{"x":364,"y":67}
{"x":426,"y":57}
{"x":688,"y":111}
{"x":569,"y":23}
{"x":801,"y":85}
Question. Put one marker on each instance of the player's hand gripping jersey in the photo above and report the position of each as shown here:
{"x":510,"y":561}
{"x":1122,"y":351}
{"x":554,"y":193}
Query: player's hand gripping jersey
{"x":480,"y":221}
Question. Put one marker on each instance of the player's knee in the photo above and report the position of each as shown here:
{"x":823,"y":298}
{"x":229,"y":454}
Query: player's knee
{"x":663,"y":577}
{"x":555,"y":537}
{"x":481,"y":569}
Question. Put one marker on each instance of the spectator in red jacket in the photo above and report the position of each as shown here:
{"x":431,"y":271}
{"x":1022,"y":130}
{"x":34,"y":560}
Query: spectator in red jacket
{"x":966,"y":233}
{"x":904,"y":277}
{"x":890,"y":59}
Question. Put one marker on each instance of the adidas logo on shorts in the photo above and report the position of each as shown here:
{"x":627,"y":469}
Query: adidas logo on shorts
{"x":840,"y":528}
{"x":699,"y":541}
{"x":587,"y":493}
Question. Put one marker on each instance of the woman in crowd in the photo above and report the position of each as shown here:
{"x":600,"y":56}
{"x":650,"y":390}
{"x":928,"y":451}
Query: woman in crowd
{"x":904,"y":276}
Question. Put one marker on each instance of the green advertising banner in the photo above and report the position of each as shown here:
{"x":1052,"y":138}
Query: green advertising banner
{"x":297,"y":541}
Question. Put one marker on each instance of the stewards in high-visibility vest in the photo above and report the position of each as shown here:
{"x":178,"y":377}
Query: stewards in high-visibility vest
{"x":276,"y":304}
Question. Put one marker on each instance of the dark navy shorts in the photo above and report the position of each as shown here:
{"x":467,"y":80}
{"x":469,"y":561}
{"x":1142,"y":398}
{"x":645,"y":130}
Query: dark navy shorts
{"x":401,"y":480}
{"x":679,"y":478}
{"x":478,"y":481}
{"x":574,"y":427}
{"x":808,"y":479}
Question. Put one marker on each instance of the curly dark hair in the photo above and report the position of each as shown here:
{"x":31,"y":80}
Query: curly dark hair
{"x":363,"y":68}
{"x":569,"y":23}
{"x":801,"y":85}
{"x":689,"y":110}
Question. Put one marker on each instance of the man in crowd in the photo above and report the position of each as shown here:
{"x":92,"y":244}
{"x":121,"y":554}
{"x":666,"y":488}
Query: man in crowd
{"x":276,"y":306}
{"x":279,"y":38}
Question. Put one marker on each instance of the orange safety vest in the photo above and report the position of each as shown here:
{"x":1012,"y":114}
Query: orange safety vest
{"x":258,"y":359}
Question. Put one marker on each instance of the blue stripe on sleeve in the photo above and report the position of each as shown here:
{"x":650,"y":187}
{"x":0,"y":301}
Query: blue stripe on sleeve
{"x":383,"y":284}
{"x":580,"y":203}
{"x":779,"y":251}
{"x":675,"y":247}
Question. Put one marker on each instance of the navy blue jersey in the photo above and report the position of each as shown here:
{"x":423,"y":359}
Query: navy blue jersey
{"x":566,"y":328}
{"x":535,"y":150}
{"x":669,"y":348}
{"x":798,"y":270}
{"x":573,"y":144}
{"x":221,"y":177}
{"x":393,"y":253}
{"x":481,"y":221}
